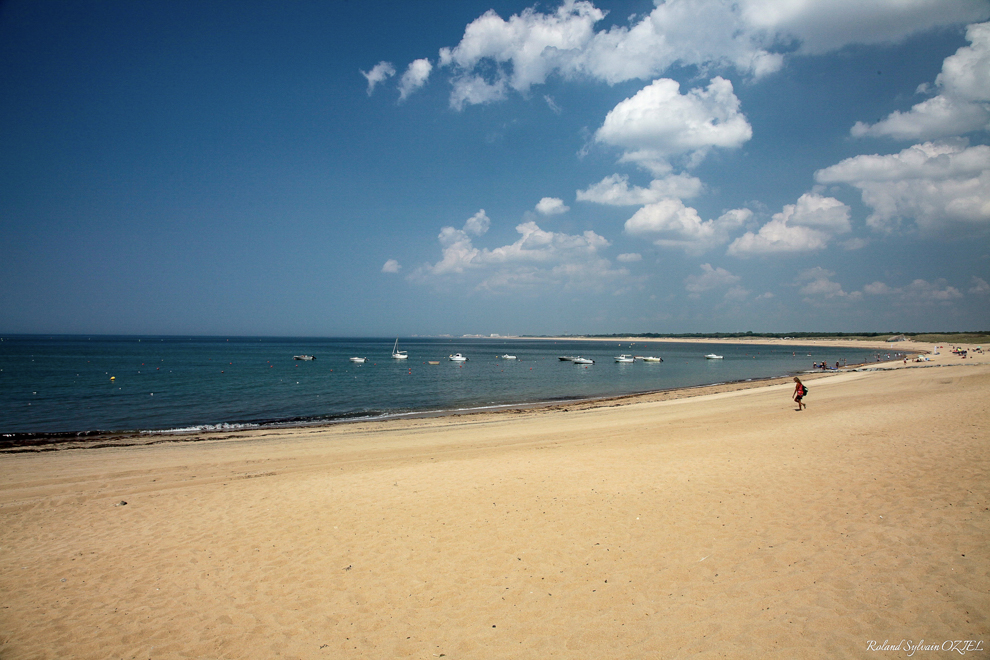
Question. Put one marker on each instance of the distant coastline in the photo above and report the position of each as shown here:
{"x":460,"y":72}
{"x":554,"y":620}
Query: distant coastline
{"x":903,"y":346}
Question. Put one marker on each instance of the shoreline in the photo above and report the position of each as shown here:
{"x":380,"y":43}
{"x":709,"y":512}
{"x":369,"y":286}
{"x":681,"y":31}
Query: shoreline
{"x":725,"y":524}
{"x":96,"y":439}
{"x":15,"y":443}
{"x":48,"y":442}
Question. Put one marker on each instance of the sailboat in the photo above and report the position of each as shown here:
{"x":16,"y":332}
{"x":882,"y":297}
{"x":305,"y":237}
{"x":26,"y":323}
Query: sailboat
{"x":396,"y":353}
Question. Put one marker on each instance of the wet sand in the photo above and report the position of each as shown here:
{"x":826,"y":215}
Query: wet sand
{"x":718,"y":522}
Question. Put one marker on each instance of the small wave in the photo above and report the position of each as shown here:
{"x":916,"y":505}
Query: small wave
{"x":203,"y":428}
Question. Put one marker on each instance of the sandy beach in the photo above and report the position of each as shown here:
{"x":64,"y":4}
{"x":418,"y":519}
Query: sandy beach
{"x":719,"y":522}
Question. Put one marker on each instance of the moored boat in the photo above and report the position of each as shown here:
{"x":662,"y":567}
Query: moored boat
{"x":397,"y":354}
{"x":457,"y":357}
{"x":304,"y":357}
{"x":712,"y":356}
{"x":625,"y":358}
{"x":359,"y":360}
{"x":581,"y":360}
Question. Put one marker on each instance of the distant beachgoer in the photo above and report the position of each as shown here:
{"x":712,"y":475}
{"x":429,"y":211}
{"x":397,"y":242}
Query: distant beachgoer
{"x":799,"y":391}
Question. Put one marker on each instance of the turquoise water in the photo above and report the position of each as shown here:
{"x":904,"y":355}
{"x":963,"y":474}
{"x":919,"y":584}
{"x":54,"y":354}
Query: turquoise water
{"x":63,"y":384}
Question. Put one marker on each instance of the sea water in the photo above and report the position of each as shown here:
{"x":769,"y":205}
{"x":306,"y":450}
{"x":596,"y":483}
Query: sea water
{"x":80,"y":384}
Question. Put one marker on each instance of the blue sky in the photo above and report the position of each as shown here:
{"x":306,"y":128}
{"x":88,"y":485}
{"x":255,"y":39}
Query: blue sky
{"x":398,"y":168}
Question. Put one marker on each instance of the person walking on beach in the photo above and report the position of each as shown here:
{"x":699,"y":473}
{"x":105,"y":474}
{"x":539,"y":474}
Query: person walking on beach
{"x":799,"y":391}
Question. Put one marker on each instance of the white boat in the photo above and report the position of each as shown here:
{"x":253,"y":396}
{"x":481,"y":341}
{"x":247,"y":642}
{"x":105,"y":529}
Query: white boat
{"x":625,"y":358}
{"x":581,"y":360}
{"x":457,"y":357}
{"x":508,"y":357}
{"x":397,"y":354}
{"x":650,"y":358}
{"x":712,"y":356}
{"x":566,"y":358}
{"x":359,"y":360}
{"x":303,"y":357}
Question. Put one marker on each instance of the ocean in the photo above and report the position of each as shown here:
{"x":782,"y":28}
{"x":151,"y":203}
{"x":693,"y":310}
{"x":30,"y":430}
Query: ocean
{"x":87,"y":384}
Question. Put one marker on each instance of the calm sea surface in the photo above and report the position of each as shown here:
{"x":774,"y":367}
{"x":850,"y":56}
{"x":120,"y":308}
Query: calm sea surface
{"x":64,"y":384}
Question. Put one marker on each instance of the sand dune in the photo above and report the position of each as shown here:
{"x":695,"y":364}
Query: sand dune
{"x":719,"y":525}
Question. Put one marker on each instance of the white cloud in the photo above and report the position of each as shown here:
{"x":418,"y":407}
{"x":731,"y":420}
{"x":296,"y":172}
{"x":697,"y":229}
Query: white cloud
{"x":805,"y":226}
{"x":529,"y":47}
{"x":458,"y":251}
{"x":391,"y":266}
{"x":477,"y":224}
{"x":938,"y":185}
{"x":536,"y":260}
{"x":918,"y":292}
{"x":963,"y":104}
{"x":931,"y":292}
{"x":736,"y":294}
{"x":533,"y":44}
{"x":817,"y":285}
{"x":632,"y":257}
{"x":980,"y":287}
{"x":659,"y":122}
{"x":415,"y":77}
{"x":379,"y":73}
{"x":937,"y":117}
{"x":821,"y":27}
{"x":825,"y":214}
{"x":877,"y":289}
{"x":676,"y":225}
{"x":710,"y":278}
{"x":551,"y":206}
{"x":615,"y":190}
{"x":474,"y":90}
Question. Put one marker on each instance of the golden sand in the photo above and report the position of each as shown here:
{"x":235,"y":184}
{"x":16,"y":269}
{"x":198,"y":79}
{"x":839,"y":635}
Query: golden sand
{"x":723,"y":524}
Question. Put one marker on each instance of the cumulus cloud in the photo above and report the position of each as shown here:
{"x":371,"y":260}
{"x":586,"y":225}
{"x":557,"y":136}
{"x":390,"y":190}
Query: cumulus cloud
{"x":917,"y":292}
{"x":821,"y":27}
{"x":877,"y":289}
{"x":526,"y":48}
{"x":710,"y":278}
{"x":632,"y":257}
{"x":415,"y":77}
{"x":474,"y":90}
{"x":659,"y":122}
{"x":979,"y":286}
{"x":937,"y":185}
{"x":802,"y":227}
{"x":963,"y":102}
{"x":391,"y":266}
{"x":671,"y":224}
{"x":937,"y":292}
{"x":539,"y":258}
{"x":736,"y":294}
{"x":495,"y":55}
{"x":816,"y":284}
{"x":379,"y":73}
{"x":477,"y":224}
{"x":551,"y":206}
{"x":615,"y":190}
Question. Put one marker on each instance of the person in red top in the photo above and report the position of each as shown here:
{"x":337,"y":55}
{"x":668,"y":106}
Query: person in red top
{"x":799,"y":392}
